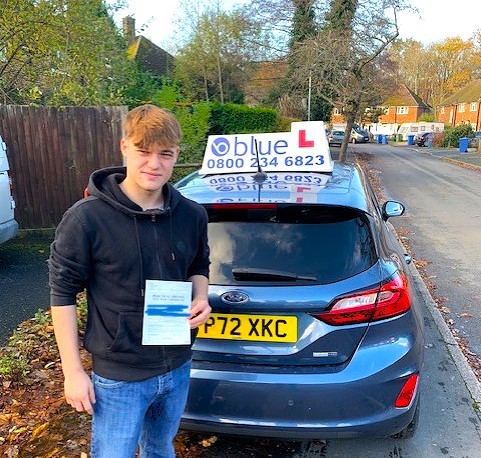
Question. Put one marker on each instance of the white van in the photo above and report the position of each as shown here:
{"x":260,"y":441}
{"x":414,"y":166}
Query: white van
{"x":8,"y":225}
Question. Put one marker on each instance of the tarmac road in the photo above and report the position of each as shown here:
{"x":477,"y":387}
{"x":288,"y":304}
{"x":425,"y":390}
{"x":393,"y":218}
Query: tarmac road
{"x":23,"y":281}
{"x":443,"y":227}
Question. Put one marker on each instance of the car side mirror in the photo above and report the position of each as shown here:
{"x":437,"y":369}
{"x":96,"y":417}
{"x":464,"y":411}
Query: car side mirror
{"x":392,"y":208}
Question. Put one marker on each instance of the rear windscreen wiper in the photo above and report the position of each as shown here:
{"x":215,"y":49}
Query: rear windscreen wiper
{"x":268,"y":274}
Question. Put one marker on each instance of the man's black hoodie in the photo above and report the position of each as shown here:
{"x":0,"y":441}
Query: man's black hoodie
{"x":107,"y":244}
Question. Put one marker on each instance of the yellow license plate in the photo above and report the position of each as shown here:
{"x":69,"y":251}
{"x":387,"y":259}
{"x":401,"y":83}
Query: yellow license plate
{"x":261,"y":328}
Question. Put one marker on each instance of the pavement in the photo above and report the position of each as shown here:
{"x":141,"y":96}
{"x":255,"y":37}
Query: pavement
{"x":471,"y":159}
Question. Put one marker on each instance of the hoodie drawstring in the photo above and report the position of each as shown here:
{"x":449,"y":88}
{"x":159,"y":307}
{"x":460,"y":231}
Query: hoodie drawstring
{"x":141,"y":264}
{"x":139,"y":248}
{"x":172,"y":254}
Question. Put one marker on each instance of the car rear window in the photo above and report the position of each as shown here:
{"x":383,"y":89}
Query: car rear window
{"x":317,"y":244}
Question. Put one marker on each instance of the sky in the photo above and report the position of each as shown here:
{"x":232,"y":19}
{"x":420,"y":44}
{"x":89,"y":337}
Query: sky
{"x":435,"y":21}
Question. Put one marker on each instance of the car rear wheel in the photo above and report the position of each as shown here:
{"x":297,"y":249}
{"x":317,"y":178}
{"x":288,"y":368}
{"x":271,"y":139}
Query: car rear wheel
{"x":410,"y":429}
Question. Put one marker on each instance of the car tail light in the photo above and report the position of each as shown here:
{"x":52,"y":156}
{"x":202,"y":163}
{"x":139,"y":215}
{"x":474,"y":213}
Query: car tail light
{"x":408,"y":391}
{"x":391,"y":299}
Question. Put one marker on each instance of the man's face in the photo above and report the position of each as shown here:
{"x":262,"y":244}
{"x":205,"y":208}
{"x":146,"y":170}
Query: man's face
{"x":148,"y":170}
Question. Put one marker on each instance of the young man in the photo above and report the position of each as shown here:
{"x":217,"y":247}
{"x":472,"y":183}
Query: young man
{"x":134,"y":227}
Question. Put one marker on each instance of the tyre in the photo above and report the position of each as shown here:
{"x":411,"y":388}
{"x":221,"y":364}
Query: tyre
{"x":410,"y":429}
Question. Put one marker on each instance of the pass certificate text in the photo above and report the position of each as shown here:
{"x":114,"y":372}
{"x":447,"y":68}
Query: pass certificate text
{"x":166,"y":313}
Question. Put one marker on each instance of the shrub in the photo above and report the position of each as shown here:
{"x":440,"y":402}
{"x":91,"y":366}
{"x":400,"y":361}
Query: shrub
{"x":427,"y":117}
{"x":453,"y":134}
{"x":438,"y":138}
{"x":283,"y":124}
{"x":193,"y":119}
{"x":238,"y":119}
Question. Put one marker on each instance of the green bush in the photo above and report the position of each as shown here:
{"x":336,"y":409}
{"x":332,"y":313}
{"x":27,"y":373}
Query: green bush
{"x":427,"y":117}
{"x":13,"y":368}
{"x":453,"y":134}
{"x":283,"y":124}
{"x":239,"y":119}
{"x":194,"y":121}
{"x":199,"y":120}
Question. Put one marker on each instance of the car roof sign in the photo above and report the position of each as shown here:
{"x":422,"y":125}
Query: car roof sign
{"x":305,"y":148}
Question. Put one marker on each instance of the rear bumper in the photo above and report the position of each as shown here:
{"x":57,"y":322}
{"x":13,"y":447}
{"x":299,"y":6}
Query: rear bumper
{"x":355,"y":401}
{"x":319,"y":412}
{"x":8,"y":230}
{"x":384,"y":428}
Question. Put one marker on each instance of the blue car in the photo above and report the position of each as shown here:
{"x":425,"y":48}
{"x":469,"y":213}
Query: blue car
{"x":315,"y":331}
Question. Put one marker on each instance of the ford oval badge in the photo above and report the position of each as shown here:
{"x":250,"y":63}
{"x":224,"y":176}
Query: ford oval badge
{"x":234,"y":297}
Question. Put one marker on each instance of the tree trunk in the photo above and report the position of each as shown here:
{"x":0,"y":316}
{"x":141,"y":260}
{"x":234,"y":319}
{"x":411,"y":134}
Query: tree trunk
{"x":221,"y":87}
{"x":351,"y":111}
{"x":206,"y":86}
{"x":347,"y":137}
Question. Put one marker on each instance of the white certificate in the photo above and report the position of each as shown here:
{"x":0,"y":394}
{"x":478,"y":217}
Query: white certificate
{"x":166,"y":312}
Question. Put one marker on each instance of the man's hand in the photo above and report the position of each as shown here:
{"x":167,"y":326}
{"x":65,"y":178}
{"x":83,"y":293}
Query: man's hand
{"x":199,"y":308}
{"x":199,"y":312}
{"x":79,"y":392}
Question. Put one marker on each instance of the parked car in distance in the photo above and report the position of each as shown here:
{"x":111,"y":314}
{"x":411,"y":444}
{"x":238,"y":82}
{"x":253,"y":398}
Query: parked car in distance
{"x":360,"y":136}
{"x":423,"y":139}
{"x":315,"y":331}
{"x":8,"y":225}
{"x":335,"y":137}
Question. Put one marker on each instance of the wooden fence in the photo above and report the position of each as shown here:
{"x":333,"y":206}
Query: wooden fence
{"x":53,"y":151}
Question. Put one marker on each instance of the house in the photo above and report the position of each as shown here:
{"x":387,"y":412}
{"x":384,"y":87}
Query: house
{"x":463,"y":107}
{"x":404,"y":106}
{"x":148,"y":55}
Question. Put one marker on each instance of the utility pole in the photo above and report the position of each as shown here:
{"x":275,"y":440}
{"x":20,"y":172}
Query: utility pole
{"x":309,"y":97}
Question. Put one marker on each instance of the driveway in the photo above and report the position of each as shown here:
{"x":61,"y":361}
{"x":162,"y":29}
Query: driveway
{"x":23,"y":281}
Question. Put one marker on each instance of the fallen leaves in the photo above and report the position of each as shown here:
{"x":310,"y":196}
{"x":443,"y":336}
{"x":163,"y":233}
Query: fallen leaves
{"x":39,"y":431}
{"x":35,"y":420}
{"x":420,"y":264}
{"x":209,"y":441}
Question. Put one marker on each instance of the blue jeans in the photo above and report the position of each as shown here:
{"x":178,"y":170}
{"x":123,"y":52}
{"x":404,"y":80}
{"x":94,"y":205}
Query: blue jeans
{"x":145,"y":413}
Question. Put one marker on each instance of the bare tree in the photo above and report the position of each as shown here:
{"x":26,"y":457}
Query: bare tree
{"x":220,"y":46}
{"x":344,"y":56}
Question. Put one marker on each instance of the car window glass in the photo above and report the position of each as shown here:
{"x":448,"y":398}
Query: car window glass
{"x":330,"y":245}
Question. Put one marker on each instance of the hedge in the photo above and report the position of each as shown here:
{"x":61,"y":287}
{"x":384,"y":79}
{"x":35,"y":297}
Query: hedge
{"x":453,"y":134}
{"x":241,"y":119}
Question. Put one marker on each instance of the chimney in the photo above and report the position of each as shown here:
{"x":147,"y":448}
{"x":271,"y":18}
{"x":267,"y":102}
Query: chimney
{"x":128,"y":27}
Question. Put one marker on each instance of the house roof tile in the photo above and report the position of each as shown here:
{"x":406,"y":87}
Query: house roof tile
{"x":404,"y":96}
{"x":469,"y":93}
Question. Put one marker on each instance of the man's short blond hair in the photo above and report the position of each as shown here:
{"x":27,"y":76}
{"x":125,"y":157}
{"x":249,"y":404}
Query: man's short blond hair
{"x":149,"y":125}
